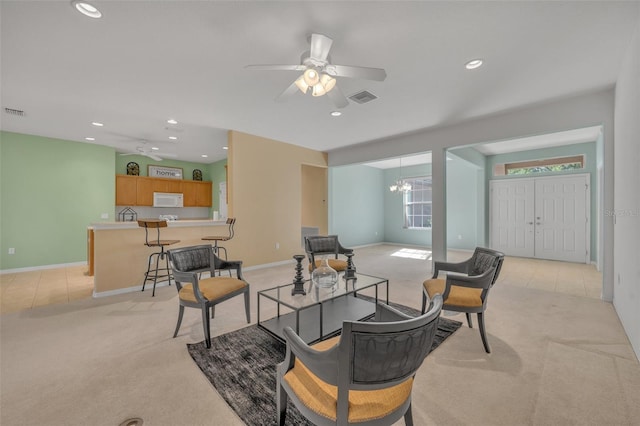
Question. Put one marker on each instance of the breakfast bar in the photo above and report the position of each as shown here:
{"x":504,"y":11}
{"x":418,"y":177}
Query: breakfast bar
{"x":120,"y":255}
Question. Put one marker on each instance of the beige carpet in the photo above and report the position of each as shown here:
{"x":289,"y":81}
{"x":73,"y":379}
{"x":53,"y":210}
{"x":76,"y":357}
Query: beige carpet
{"x":557,"y":359}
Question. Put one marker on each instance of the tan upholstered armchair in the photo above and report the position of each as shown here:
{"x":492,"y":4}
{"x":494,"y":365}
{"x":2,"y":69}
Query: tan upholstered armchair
{"x":467,"y":288}
{"x":364,"y":376}
{"x":187,"y":265}
{"x":326,"y":245}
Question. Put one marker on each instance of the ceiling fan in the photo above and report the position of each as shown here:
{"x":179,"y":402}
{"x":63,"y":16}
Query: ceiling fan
{"x":148,"y":152}
{"x":319,"y":74}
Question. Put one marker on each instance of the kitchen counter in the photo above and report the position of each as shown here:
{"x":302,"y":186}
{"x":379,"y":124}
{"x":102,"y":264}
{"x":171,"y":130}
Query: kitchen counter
{"x":120,"y":255}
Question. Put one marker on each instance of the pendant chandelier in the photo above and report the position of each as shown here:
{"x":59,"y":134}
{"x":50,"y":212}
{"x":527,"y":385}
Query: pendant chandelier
{"x":400,"y":185}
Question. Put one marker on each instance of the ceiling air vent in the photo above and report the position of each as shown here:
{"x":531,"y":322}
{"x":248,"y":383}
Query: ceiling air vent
{"x":363,"y":97}
{"x":12,"y":111}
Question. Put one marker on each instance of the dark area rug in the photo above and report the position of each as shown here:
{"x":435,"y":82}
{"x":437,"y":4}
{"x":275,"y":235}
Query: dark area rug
{"x":241,"y":366}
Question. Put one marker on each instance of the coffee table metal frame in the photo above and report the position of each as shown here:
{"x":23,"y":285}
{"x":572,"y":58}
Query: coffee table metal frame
{"x":319,"y":314}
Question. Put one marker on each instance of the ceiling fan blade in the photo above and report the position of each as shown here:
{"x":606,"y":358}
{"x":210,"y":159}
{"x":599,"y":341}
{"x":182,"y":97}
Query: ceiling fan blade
{"x":153,"y":157}
{"x":288,"y":92}
{"x":377,"y":74}
{"x":337,"y":97}
{"x":320,"y":45}
{"x":276,"y":67}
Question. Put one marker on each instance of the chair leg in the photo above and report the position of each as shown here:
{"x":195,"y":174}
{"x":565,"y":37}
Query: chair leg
{"x":146,"y":274}
{"x":180,"y":314}
{"x":155,"y":277}
{"x":424,"y":302}
{"x":483,"y":334}
{"x":205,"y":325}
{"x":166,"y":259}
{"x":469,"y":320}
{"x":281,"y":401}
{"x":213,"y":311}
{"x":247,"y":302}
{"x":408,"y":417}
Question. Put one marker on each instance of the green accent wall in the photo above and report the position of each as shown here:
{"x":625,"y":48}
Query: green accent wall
{"x":52,"y":190}
{"x":186,"y":166}
{"x":356,"y":206}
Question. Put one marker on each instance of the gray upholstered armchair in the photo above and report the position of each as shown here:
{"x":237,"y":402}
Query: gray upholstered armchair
{"x":187,"y":265}
{"x":467,"y":288}
{"x":364,"y":376}
{"x":326,"y":245}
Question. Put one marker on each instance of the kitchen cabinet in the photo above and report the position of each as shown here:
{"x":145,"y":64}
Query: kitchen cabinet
{"x":203,"y":194}
{"x":126,"y":192}
{"x":144,"y":191}
{"x":197,"y":193}
{"x":138,"y":190}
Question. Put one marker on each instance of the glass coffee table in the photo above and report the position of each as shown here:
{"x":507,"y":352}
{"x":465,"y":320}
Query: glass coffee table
{"x":319,"y":314}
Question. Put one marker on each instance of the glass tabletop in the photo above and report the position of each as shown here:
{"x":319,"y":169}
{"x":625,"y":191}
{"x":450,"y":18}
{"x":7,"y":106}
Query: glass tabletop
{"x":282,"y":294}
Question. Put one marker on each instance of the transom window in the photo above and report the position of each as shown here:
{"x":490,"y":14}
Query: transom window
{"x":540,"y":166}
{"x":417,"y":203}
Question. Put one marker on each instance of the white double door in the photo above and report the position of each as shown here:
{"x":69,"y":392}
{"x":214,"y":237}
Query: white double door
{"x":544,"y":218}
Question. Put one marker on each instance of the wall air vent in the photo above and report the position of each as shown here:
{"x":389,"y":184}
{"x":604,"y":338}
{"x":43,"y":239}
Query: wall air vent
{"x":12,"y":111}
{"x":363,"y":97}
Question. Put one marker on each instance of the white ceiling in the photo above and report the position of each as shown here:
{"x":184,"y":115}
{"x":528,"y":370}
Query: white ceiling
{"x":144,"y":62}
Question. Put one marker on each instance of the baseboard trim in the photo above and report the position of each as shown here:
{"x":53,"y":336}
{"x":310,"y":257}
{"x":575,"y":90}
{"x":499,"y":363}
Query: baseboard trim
{"x":41,"y":268}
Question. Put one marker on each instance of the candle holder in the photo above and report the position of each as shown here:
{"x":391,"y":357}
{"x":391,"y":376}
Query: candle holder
{"x":298,"y":280}
{"x":350,"y":272}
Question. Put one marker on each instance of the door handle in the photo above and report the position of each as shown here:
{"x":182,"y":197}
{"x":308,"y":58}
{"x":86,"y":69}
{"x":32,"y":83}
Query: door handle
{"x":530,"y":223}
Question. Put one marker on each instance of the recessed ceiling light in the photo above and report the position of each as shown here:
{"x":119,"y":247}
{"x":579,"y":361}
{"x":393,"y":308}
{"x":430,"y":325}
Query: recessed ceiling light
{"x":95,"y":123}
{"x":204,"y":155}
{"x":86,"y":9}
{"x":173,"y":138}
{"x":473,"y":64}
{"x":336,"y":113}
{"x":172,"y":121}
{"x":155,"y":148}
{"x":90,"y":139}
{"x":225,"y":147}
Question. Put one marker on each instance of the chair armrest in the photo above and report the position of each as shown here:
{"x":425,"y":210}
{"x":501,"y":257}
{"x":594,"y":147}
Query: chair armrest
{"x":323,"y":364}
{"x":189,"y":277}
{"x":477,"y":281}
{"x":343,"y":250}
{"x":450,"y":266}
{"x":386,"y":313}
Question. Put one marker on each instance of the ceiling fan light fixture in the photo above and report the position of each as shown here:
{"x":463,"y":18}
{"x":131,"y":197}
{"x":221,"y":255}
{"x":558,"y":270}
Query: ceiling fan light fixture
{"x":311,"y":76}
{"x":328,"y":82}
{"x":86,"y":9}
{"x":302,"y":85}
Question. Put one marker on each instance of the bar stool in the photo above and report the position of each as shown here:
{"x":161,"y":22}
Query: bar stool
{"x":216,"y":248}
{"x":165,"y":272}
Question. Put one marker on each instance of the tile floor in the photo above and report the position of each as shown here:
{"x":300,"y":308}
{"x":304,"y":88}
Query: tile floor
{"x":26,"y":290}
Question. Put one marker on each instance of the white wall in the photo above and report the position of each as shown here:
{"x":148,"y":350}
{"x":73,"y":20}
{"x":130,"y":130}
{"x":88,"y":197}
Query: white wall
{"x":626,"y":208}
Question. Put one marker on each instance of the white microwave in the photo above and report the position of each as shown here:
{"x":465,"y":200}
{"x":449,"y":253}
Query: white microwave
{"x":167,"y":199}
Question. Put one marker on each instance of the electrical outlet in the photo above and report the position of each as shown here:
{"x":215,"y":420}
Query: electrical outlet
{"x":12,"y":250}
{"x":459,"y":237}
{"x":277,"y":246}
{"x":104,"y":216}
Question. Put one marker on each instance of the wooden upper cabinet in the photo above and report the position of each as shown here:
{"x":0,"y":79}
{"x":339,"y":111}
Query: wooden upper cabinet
{"x":145,"y":191}
{"x":189,"y":193}
{"x":138,"y":190}
{"x":203,"y":194}
{"x":126,"y":190}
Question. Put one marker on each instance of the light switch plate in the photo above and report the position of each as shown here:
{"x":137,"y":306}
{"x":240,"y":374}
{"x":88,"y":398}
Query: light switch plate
{"x":104,"y":216}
